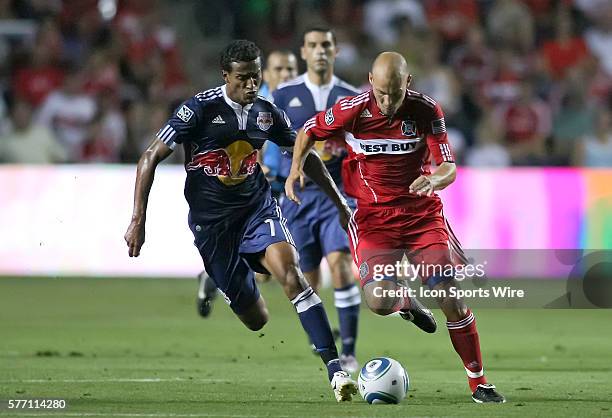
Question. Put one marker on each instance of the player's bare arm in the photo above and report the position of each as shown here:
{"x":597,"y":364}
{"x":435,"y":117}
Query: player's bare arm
{"x":303,"y":145}
{"x":317,"y":171}
{"x":153,"y":155}
{"x":438,"y":180}
{"x":307,"y":162}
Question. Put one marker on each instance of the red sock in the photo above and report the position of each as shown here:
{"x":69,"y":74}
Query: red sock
{"x":464,"y":336}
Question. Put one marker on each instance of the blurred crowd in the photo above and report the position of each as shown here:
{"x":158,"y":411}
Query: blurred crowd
{"x":522,"y":82}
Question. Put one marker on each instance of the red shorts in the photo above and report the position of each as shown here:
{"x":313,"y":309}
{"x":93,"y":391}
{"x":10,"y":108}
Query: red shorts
{"x":381,"y":236}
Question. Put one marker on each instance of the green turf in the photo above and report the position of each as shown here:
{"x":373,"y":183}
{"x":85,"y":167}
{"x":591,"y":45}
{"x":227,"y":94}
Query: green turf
{"x":96,"y":342}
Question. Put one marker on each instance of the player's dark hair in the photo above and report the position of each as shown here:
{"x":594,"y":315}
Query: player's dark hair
{"x":322,"y":29}
{"x":284,"y":52}
{"x":240,"y":50}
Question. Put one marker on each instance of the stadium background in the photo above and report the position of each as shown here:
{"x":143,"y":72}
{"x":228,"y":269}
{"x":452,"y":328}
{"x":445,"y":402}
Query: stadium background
{"x":85,"y":85}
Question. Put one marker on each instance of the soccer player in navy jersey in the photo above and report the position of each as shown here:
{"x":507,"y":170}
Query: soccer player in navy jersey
{"x":314,"y":224}
{"x":395,"y":132}
{"x":280,"y":66}
{"x":237,"y":225}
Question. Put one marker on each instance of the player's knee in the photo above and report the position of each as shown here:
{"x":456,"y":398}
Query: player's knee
{"x":257,"y":322}
{"x":380,"y":306}
{"x":341,"y":272}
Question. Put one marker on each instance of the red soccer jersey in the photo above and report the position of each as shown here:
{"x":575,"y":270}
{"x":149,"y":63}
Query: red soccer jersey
{"x":385,"y":156}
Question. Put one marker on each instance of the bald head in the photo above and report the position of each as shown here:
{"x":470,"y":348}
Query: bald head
{"x":389,"y":65}
{"x":389,"y":79}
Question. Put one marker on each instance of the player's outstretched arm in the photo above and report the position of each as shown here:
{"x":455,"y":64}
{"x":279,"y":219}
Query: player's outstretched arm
{"x":301,"y":148}
{"x":153,"y":155}
{"x":444,"y":175}
{"x":316,"y":170}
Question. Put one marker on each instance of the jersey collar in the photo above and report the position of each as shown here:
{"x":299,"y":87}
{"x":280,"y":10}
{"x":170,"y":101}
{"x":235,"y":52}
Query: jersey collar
{"x":320,"y":94}
{"x":233,"y":104}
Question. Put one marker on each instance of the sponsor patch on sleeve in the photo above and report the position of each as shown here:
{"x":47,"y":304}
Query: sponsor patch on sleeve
{"x":438,"y":126}
{"x":184,"y":113}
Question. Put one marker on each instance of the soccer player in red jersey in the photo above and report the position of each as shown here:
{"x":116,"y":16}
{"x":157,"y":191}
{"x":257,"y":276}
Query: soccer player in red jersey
{"x":392,"y":134}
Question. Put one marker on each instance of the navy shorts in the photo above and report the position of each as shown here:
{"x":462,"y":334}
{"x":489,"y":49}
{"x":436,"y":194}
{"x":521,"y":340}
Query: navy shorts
{"x":315,"y":227}
{"x":231,"y":250}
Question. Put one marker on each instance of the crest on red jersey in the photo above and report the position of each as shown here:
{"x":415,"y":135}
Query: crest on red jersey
{"x":329,"y":116}
{"x":264,"y":120}
{"x":408,"y":128}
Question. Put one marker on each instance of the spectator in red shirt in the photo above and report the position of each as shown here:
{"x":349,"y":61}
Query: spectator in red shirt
{"x":526,"y":123}
{"x":35,"y":81}
{"x":565,"y":51}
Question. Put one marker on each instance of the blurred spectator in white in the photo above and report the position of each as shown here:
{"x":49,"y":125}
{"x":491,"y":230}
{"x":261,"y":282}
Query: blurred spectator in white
{"x":437,"y":80}
{"x":43,"y":73}
{"x":380,"y":18}
{"x":27,"y":143}
{"x":526,"y":123}
{"x":599,"y":37}
{"x":69,"y":112}
{"x":107,"y":133}
{"x":511,"y":25}
{"x":566,"y":50}
{"x":488,"y":150}
{"x":595,"y":150}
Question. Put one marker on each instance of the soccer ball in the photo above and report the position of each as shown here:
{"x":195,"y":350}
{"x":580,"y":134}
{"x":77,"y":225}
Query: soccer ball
{"x":383,"y":380}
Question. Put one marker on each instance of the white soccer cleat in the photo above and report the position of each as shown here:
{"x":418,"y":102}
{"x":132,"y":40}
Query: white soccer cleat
{"x":349,"y":363}
{"x":344,"y":387}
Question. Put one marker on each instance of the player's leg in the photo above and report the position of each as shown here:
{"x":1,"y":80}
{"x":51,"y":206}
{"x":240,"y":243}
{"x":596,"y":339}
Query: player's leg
{"x":229,"y":272}
{"x":372,"y":238}
{"x":281,"y":260}
{"x":268,"y":246}
{"x":347,"y":297}
{"x":313,"y":277}
{"x":460,"y":321}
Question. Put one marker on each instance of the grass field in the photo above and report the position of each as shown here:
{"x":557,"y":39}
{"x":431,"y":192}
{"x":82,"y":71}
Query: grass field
{"x":132,"y":347}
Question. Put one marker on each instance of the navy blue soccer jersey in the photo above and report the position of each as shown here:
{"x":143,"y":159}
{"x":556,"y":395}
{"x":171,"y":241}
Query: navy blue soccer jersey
{"x":221,"y":139}
{"x":301,"y":99}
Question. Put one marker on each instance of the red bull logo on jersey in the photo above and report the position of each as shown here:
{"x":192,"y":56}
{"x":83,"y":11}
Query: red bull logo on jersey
{"x":231,"y":165}
{"x":264,"y":120}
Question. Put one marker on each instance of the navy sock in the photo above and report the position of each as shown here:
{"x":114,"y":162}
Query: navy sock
{"x":314,"y":320}
{"x":347,"y":300}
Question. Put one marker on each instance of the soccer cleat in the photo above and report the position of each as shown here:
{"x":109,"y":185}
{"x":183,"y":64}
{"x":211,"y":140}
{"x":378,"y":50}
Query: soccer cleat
{"x":486,"y":393}
{"x":349,"y":363}
{"x":207,"y":292}
{"x":344,"y":387}
{"x":420,"y":316}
